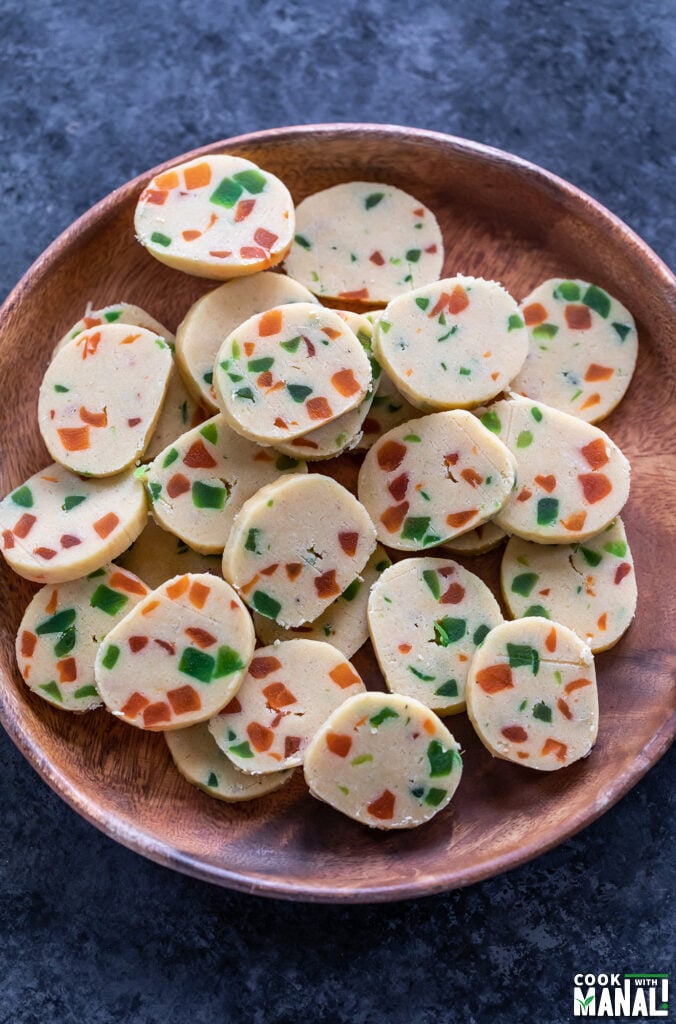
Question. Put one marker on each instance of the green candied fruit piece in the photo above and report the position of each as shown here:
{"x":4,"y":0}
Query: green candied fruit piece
{"x":226,"y":194}
{"x":170,"y":457}
{"x":523,"y":654}
{"x":382,"y":715}
{"x":197,"y":664}
{"x":53,"y":691}
{"x":112,"y":316}
{"x":97,"y":572}
{"x":161,"y":343}
{"x":212,"y":781}
{"x":109,"y":601}
{"x":450,"y":630}
{"x":440,"y":759}
{"x":23,"y":496}
{"x":252,"y":180}
{"x":72,"y":501}
{"x":480,"y":634}
{"x":227,"y":662}
{"x":86,"y":691}
{"x":617,"y":548}
{"x":464,"y":371}
{"x":536,"y":609}
{"x":299,"y":392}
{"x":491,"y":421}
{"x":159,"y":239}
{"x":432,"y":580}
{"x":245,"y":393}
{"x":344,"y":789}
{"x":251,"y":542}
{"x":210,"y":432}
{"x":260,"y":365}
{"x":61,"y":389}
{"x":569,"y":291}
{"x":447,"y":689}
{"x":548,"y":511}
{"x":57,"y":623}
{"x":590,"y":556}
{"x":373,"y":199}
{"x":523,"y":705}
{"x":361,"y":759}
{"x":597,"y":300}
{"x":383,"y":565}
{"x":536,"y":414}
{"x":241,"y":750}
{"x":542,"y":711}
{"x":109,"y":659}
{"x":208,"y":495}
{"x":155,"y":490}
{"x":434,"y":796}
{"x":208,"y":377}
{"x":415,"y":527}
{"x":66,"y":642}
{"x":352,"y":590}
{"x":302,"y":241}
{"x":184,"y":411}
{"x":384,"y":325}
{"x":545,"y":331}
{"x":524,"y":439}
{"x":422,"y":303}
{"x":421,"y":675}
{"x":413,"y":255}
{"x":622,"y":329}
{"x":291,"y":345}
{"x":515,"y":322}
{"x":235,"y":377}
{"x":413,"y":438}
{"x":524,"y":583}
{"x":265,"y":604}
{"x":284,"y":462}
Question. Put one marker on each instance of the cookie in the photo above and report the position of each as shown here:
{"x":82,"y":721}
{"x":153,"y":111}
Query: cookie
{"x":157,"y":555}
{"x":289,"y":691}
{"x":531,"y":694}
{"x":426,"y":617}
{"x":216,"y":216}
{"x":384,"y":760}
{"x":116,"y":313}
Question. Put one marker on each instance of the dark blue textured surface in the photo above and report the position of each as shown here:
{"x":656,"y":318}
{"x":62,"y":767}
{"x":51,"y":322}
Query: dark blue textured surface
{"x":93,"y":95}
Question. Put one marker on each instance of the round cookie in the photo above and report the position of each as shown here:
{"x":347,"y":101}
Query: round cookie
{"x":101,"y":396}
{"x":432,"y":479}
{"x":216,"y":315}
{"x":453,"y":344}
{"x":295,"y":547}
{"x":116,"y":313}
{"x":199,"y":483}
{"x":531,"y":694}
{"x":157,"y":556}
{"x":289,"y":370}
{"x":582,"y":348}
{"x":289,"y":691}
{"x":179,"y":656}
{"x":364,"y":242}
{"x":589,"y":587}
{"x":57,"y":527}
{"x":426,"y":617}
{"x":198,"y":758}
{"x":216,"y":216}
{"x":384,"y":760}
{"x":572,"y":480}
{"x":343,"y":624}
{"x":476,"y":542}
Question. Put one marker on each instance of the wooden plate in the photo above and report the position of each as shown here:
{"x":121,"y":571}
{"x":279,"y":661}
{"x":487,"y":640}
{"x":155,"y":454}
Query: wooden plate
{"x":502,"y":218}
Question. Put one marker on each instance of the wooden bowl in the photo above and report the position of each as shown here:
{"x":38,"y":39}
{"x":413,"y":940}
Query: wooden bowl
{"x":502,"y":218}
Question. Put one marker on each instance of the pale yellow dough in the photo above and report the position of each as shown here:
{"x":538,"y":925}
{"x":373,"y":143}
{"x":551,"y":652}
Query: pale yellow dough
{"x":157,"y":555}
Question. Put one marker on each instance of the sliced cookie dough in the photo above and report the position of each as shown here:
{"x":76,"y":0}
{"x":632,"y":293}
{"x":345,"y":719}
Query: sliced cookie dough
{"x":216,"y":216}
{"x":62,"y":628}
{"x":296,"y":546}
{"x":589,"y":587}
{"x":216,"y":315}
{"x":431,"y":479}
{"x":476,"y":542}
{"x":179,"y":656}
{"x":101,"y":397}
{"x":364,"y":242}
{"x":199,"y":483}
{"x":157,"y":556}
{"x":426,"y":617}
{"x":57,"y":527}
{"x":572,"y":480}
{"x":531,"y":694}
{"x":454,"y":344}
{"x":384,"y":760}
{"x":289,"y":370}
{"x":582,"y":348}
{"x":344,"y":623}
{"x":116,"y":313}
{"x":289,"y":691}
{"x":198,"y":758}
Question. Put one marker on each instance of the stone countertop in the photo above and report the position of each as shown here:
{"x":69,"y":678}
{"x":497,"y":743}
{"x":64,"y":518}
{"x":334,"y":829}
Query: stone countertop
{"x":92,"y":96}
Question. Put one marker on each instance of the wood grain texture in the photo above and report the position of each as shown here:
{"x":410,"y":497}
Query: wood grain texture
{"x":504,"y":219}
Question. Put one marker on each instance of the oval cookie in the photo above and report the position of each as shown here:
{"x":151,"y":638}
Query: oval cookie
{"x":589,"y":587}
{"x":57,"y":527}
{"x":572,"y":480}
{"x":432,"y":479}
{"x":531,"y":694}
{"x":295,"y":547}
{"x":101,"y":396}
{"x":116,"y":313}
{"x":198,"y":758}
{"x":216,"y":216}
{"x":426,"y":617}
{"x":179,"y":656}
{"x":364,"y":242}
{"x":384,"y":760}
{"x":453,"y":344}
{"x":62,"y":628}
{"x":582,"y":348}
{"x":199,"y":483}
{"x":157,"y":555}
{"x":289,"y":690}
{"x":286,"y":371}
